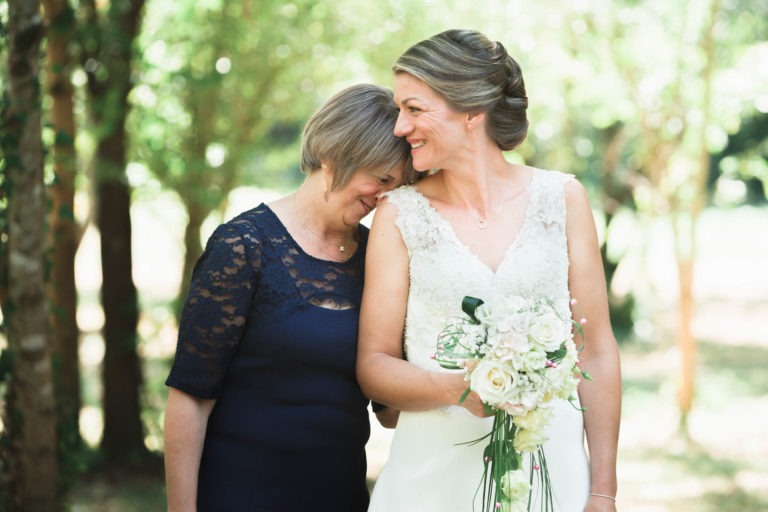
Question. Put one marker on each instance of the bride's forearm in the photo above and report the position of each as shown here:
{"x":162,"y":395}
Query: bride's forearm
{"x":406,"y":387}
{"x":601,"y":398}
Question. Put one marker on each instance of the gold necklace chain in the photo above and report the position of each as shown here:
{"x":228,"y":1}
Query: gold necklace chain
{"x":342,"y":247}
{"x":482,"y":221}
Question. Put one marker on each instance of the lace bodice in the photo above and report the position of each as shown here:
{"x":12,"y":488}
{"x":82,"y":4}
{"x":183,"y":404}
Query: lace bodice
{"x":251,"y":273}
{"x":443,"y":270}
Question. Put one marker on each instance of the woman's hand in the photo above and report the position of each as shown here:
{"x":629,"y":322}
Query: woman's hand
{"x":472,"y":403}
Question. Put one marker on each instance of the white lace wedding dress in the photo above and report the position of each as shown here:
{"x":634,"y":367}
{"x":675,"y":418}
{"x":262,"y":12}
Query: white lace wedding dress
{"x":429,"y":470}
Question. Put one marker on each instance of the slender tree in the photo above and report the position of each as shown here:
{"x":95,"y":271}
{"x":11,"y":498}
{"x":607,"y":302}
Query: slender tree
{"x":30,"y":447}
{"x":65,"y":234}
{"x":108,"y":37}
{"x":688,"y":205}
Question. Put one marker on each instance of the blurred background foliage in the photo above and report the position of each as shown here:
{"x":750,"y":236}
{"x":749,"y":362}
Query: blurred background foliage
{"x":660,"y":107}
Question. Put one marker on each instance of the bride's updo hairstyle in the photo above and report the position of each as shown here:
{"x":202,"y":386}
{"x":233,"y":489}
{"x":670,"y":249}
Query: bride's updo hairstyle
{"x":473,"y":74}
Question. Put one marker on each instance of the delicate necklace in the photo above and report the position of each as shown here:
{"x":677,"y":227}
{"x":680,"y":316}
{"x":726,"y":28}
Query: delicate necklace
{"x":482,"y":223}
{"x":342,"y":247}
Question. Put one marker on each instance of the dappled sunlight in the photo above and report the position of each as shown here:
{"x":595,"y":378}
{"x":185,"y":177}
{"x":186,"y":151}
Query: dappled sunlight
{"x":91,"y":424}
{"x":159,"y":330}
{"x":91,"y":351}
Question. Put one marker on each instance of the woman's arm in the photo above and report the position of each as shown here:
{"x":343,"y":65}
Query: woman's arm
{"x":186,"y":420}
{"x":384,"y":375}
{"x":600,"y":357}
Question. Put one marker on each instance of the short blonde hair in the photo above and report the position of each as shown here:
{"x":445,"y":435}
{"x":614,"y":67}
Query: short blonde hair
{"x":353,"y":129}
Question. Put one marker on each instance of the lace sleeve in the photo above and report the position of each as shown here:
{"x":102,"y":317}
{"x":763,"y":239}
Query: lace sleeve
{"x":215,"y":312}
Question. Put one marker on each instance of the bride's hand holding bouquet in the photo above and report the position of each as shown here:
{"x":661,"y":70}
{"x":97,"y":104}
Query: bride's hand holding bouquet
{"x":518,"y":355}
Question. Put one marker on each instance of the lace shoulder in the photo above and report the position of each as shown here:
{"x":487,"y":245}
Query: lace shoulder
{"x":548,"y":198}
{"x":216,"y":309}
{"x":413,"y":220}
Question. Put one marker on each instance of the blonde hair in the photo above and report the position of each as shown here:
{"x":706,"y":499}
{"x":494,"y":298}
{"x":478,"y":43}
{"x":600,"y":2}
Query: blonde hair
{"x":353,"y":129}
{"x":473,"y":74}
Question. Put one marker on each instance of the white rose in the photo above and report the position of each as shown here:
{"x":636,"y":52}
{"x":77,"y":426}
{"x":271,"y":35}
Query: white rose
{"x":525,"y":397}
{"x":493,"y":381}
{"x":520,"y":320}
{"x":536,"y":419}
{"x":508,"y":346}
{"x":515,"y":486}
{"x":548,"y":331}
{"x":529,"y":440}
{"x":532,"y":361}
{"x":486,"y":312}
{"x":502,"y":314}
{"x":492,"y":315}
{"x":530,"y":397}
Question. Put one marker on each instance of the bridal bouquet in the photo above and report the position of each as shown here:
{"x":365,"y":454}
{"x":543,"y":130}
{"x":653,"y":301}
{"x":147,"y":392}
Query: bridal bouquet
{"x":518,"y":354}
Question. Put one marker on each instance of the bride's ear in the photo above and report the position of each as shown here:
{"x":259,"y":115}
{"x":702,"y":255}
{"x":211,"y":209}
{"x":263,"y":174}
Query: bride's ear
{"x":474,"y":119}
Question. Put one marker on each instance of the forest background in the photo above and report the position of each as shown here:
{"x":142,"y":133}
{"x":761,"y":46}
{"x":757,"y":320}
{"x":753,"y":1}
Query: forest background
{"x":130,"y":128}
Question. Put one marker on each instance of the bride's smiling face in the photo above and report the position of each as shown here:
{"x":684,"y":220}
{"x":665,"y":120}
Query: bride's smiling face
{"x":433,"y":129}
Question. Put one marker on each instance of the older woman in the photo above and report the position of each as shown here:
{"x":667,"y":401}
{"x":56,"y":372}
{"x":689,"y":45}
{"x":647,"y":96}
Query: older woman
{"x":264,"y":412}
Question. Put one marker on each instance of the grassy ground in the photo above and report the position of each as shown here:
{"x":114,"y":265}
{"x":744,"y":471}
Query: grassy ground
{"x":723,"y":466}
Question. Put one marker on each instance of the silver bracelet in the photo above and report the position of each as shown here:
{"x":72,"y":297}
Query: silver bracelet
{"x":603,"y":496}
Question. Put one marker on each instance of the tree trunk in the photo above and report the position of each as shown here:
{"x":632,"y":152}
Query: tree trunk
{"x":30,"y":447}
{"x":123,"y":439}
{"x":686,"y":341}
{"x":192,"y":244}
{"x":64,"y":232}
{"x":686,"y":235}
{"x":109,"y":82}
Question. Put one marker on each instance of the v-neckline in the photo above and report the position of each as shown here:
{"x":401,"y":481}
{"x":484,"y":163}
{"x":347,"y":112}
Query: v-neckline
{"x":448,"y":227}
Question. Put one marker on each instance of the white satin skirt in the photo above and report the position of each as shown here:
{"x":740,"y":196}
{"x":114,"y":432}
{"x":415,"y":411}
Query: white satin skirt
{"x":431,"y":469}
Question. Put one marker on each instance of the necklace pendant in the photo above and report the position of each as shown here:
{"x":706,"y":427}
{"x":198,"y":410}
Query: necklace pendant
{"x":342,"y":248}
{"x":482,"y":223}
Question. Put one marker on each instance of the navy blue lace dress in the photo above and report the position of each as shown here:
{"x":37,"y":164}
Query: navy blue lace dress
{"x":270,"y":332}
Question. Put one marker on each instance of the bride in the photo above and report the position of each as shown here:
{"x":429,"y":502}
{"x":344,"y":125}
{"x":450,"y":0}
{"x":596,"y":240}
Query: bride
{"x":477,"y":225}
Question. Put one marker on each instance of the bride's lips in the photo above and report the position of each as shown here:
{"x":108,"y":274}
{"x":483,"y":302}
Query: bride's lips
{"x":416,"y":144}
{"x":368,"y":208}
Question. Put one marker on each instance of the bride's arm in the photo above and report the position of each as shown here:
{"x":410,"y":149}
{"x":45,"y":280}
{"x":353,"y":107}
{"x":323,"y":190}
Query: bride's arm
{"x":383,"y":374}
{"x":600,"y":357}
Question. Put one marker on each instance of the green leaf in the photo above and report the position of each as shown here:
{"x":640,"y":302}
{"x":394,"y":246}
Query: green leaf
{"x":469,"y":305}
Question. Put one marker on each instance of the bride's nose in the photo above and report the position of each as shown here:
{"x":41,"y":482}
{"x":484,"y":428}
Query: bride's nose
{"x":402,"y":126}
